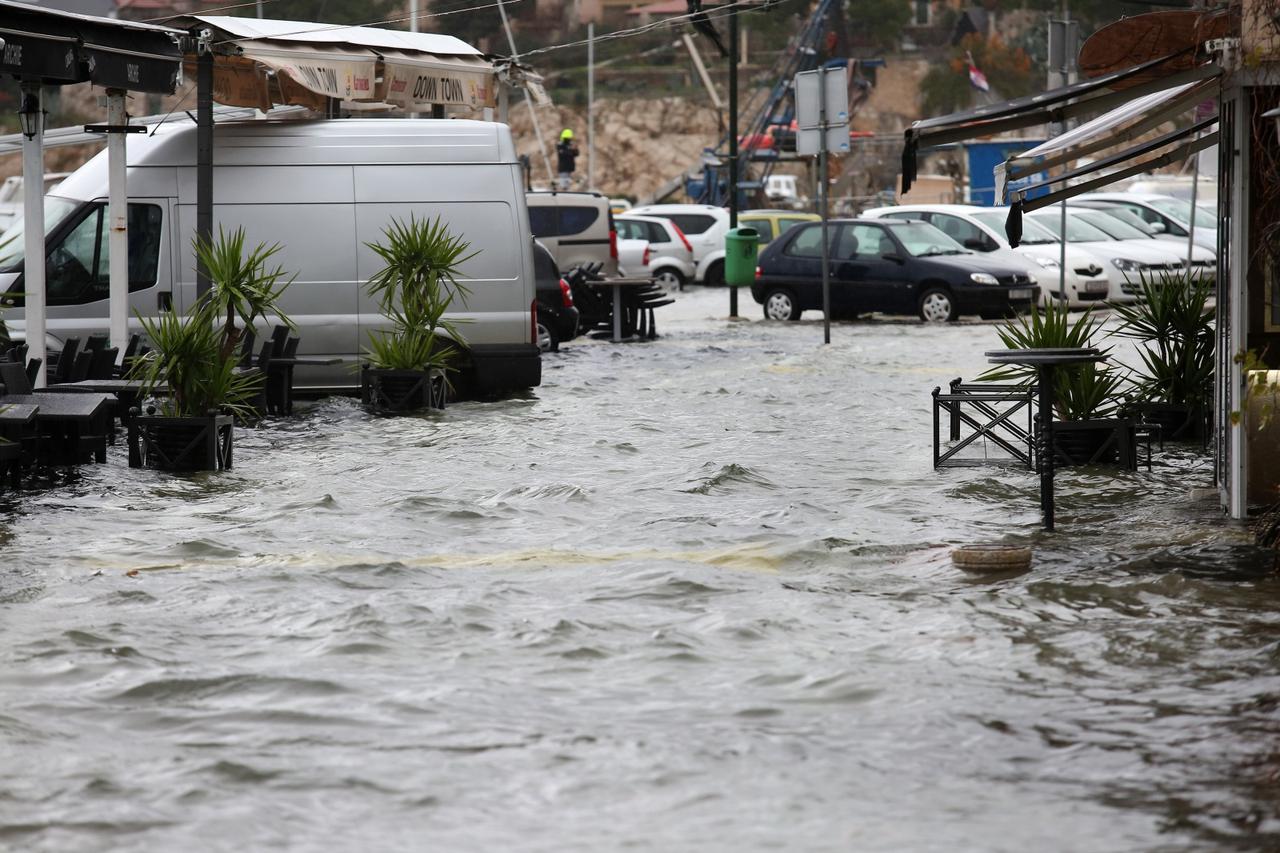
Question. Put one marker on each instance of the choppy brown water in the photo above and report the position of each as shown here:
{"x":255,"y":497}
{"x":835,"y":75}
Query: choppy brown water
{"x":691,"y":595}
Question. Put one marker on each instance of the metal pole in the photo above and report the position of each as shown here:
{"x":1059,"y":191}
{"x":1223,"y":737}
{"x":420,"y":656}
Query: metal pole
{"x":528,"y":100}
{"x":591,"y":105}
{"x":822,"y":203}
{"x":1062,"y":248}
{"x":413,"y":14}
{"x":1191,"y":225}
{"x":118,"y":215}
{"x":259,"y":4}
{"x":1046,"y":379}
{"x":733,"y":141}
{"x":33,"y":237}
{"x":204,"y":158}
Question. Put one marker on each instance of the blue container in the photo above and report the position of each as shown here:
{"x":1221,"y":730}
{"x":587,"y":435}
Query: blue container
{"x":983,"y":159}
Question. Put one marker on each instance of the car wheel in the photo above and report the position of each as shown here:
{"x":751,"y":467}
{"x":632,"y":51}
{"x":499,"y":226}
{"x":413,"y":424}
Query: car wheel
{"x":547,"y":341}
{"x":715,"y":275}
{"x":780,"y":304}
{"x":670,"y":278}
{"x":937,"y":306}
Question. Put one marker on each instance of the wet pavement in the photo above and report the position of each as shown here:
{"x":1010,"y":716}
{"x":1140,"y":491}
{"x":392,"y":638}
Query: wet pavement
{"x":693,"y":594}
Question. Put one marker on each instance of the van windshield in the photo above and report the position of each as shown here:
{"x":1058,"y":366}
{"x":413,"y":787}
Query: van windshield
{"x":12,"y":247}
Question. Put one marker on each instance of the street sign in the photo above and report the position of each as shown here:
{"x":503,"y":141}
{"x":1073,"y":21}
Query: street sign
{"x":809,"y":97}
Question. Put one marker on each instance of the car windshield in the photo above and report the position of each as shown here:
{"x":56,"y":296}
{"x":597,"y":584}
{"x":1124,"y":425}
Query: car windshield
{"x":12,"y":246}
{"x":1181,"y":211}
{"x":1104,"y":221}
{"x":923,"y":240}
{"x":1078,"y":231}
{"x":1032,"y":233}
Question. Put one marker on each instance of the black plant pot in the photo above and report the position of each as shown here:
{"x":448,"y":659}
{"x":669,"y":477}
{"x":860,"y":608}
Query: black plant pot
{"x":394,"y":392}
{"x":1177,"y":421}
{"x":1095,"y":442}
{"x":180,"y":444}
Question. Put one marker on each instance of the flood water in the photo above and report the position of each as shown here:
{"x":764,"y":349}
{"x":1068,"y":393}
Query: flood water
{"x":689,"y":595}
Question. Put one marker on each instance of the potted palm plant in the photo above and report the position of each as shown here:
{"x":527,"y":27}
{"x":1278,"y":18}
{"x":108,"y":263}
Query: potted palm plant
{"x":1086,"y":429}
{"x":191,"y":374}
{"x":1173,"y":325}
{"x":408,"y":362}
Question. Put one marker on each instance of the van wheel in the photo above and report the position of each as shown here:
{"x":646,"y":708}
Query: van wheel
{"x":670,"y":278}
{"x":715,"y":275}
{"x":547,"y":339}
{"x":937,"y":306}
{"x":780,"y":304}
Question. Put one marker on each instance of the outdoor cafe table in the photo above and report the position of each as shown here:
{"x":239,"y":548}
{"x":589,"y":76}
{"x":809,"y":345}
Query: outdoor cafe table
{"x":16,"y":424}
{"x":1046,"y":360}
{"x":66,"y":423}
{"x":285,"y":402}
{"x":618,"y":284}
{"x":126,"y":392}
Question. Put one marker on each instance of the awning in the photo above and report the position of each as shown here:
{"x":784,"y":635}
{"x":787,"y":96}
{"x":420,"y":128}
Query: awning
{"x":1056,"y":105}
{"x":1123,"y":124}
{"x":258,"y":62}
{"x":56,"y":48}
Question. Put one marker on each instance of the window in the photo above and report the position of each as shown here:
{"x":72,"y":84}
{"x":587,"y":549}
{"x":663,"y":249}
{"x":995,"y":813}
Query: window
{"x":77,"y":268}
{"x":542,"y":221}
{"x":957,"y":229}
{"x":692,"y":223}
{"x":630,"y":230}
{"x":864,"y":241}
{"x":785,"y":224}
{"x":575,"y":220}
{"x":923,"y":12}
{"x":763,"y":226}
{"x":806,"y":244}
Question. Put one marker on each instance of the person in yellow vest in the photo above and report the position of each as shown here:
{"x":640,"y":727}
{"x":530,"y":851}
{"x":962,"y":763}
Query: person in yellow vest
{"x":566,"y":159}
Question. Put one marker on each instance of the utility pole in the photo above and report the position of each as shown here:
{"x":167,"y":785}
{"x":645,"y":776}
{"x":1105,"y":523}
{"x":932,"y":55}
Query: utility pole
{"x":733,"y":140}
{"x":591,"y":105}
{"x":528,"y":99}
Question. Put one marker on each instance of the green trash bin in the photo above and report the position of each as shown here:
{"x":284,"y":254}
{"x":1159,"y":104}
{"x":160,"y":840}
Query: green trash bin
{"x":740,"y":248}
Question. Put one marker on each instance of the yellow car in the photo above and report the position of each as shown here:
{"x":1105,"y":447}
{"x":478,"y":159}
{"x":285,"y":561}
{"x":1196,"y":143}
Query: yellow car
{"x":773,"y":223}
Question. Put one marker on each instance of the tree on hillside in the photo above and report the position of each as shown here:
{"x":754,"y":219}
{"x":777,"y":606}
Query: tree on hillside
{"x":946,"y":87}
{"x":877,"y":23}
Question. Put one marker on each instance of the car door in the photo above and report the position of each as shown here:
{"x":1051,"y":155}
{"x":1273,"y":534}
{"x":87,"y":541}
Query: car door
{"x":799,"y":265}
{"x":700,"y":229}
{"x":963,"y":232}
{"x":871,"y":280}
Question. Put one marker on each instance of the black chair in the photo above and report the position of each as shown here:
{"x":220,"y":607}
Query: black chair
{"x":246,"y":348}
{"x":33,"y":369}
{"x":18,"y":353}
{"x":279,"y":337}
{"x":66,"y":361}
{"x":280,"y":380}
{"x":97,"y":342}
{"x":102,"y":363}
{"x":130,"y":353}
{"x":80,"y":369}
{"x":14,"y":378}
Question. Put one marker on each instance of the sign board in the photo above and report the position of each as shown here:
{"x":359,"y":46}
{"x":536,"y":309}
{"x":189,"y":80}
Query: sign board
{"x":811,"y":87}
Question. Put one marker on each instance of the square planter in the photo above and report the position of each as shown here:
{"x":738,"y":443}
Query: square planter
{"x":1177,"y":422}
{"x":1111,"y":441}
{"x":394,"y":392}
{"x":180,"y":444}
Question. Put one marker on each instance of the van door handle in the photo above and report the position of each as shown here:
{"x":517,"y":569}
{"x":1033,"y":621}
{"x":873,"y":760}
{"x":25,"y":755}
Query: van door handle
{"x":164,"y":300}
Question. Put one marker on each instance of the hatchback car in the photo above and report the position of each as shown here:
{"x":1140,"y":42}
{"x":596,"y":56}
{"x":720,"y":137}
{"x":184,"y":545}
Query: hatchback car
{"x":887,"y":266}
{"x":1167,"y":216}
{"x":705,"y":225}
{"x":557,"y":315}
{"x":576,"y":228}
{"x":671,"y":254}
{"x":774,"y":223}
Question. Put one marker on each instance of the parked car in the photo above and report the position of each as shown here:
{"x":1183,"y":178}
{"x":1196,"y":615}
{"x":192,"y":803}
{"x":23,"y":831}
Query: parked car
{"x":557,"y":315}
{"x":577,"y":228}
{"x":1166,"y":217}
{"x":887,"y":266}
{"x":671,"y":253}
{"x":774,"y":223}
{"x":11,"y":195}
{"x":633,"y":258}
{"x":705,"y":226}
{"x":1127,"y":261}
{"x":982,"y":230}
{"x":619,"y":205}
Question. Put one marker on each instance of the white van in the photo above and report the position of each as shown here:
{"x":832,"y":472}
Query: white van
{"x":322,"y":190}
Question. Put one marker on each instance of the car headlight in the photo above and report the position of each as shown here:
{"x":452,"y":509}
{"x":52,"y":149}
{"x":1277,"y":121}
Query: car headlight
{"x":1047,"y":263}
{"x":1125,"y":264}
{"x":982,"y":278}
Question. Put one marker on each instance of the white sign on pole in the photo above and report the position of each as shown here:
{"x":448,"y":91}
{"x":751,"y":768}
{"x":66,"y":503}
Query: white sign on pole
{"x":809,"y":124}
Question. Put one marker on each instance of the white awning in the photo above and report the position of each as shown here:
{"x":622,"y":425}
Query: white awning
{"x":416,"y":81}
{"x":348,"y":74}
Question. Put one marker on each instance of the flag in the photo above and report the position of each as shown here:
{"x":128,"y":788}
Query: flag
{"x":976,"y":78}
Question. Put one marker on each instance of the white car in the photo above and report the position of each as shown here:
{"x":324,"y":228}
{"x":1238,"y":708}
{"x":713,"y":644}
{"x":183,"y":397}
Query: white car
{"x":982,"y":229}
{"x":633,"y":258}
{"x":705,"y":225}
{"x":1126,"y":261}
{"x":671,"y":253}
{"x":1169,"y":217}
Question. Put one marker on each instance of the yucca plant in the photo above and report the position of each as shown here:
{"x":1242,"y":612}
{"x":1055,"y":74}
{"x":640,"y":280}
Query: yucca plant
{"x":193,"y":358}
{"x":415,"y":288}
{"x":1084,"y":391}
{"x":1173,"y":323}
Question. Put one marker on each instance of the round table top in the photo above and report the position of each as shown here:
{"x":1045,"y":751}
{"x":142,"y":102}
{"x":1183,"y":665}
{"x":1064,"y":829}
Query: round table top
{"x":1046,"y":356}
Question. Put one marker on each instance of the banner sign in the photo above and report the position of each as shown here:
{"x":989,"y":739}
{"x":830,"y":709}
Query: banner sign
{"x":419,"y":84}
